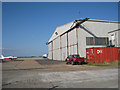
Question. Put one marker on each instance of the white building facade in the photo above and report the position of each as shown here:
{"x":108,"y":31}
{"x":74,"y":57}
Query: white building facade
{"x":114,"y":38}
{"x":76,"y":36}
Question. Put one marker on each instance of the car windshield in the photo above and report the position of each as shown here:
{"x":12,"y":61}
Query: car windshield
{"x":76,"y":56}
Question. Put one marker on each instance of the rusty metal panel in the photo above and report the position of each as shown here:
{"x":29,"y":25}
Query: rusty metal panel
{"x":102,"y":54}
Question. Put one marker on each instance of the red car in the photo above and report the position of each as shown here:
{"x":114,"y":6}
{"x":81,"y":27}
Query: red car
{"x":74,"y":59}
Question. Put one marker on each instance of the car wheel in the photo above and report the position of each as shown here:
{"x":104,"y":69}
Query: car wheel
{"x":72,"y":63}
{"x":80,"y":63}
{"x":67,"y":62}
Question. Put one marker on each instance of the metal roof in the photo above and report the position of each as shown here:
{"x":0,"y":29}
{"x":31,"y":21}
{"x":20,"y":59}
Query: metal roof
{"x":114,"y":31}
{"x":61,"y":29}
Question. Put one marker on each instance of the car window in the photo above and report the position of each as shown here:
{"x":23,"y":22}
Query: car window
{"x":75,"y":56}
{"x":68,"y":57}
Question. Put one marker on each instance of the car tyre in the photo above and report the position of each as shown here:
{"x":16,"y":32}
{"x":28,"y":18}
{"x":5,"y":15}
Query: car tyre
{"x":72,"y":63}
{"x":67,"y":62}
{"x":81,"y":63}
{"x":11,"y":59}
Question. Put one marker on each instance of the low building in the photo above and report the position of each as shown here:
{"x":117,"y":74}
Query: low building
{"x":114,"y":38}
{"x":76,"y":36}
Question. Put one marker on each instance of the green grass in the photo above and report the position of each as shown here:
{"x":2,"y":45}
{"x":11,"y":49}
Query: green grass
{"x":115,"y":63}
{"x":101,"y":65}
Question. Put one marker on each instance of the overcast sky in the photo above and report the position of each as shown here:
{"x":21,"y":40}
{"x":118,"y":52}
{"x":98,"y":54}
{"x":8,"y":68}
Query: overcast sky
{"x":27,"y":26}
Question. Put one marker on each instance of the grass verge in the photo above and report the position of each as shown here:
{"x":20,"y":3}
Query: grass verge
{"x":115,"y":63}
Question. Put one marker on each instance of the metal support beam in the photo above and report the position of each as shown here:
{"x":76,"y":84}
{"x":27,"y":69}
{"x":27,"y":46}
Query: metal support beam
{"x":61,"y":48}
{"x":77,"y":39}
{"x":52,"y":50}
{"x":67,"y":46}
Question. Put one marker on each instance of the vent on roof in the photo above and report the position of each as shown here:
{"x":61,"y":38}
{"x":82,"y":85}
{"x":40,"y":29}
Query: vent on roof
{"x":56,"y":33}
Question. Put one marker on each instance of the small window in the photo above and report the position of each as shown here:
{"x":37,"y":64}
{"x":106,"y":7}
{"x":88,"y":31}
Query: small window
{"x":56,"y":33}
{"x":97,"y":41}
{"x":75,"y":56}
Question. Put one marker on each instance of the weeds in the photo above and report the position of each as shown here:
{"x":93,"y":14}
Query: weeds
{"x":115,"y":63}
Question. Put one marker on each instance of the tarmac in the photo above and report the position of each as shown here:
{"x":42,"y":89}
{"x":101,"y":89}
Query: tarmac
{"x":43,"y":73}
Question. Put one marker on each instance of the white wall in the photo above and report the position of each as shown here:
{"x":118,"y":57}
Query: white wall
{"x":91,"y":29}
{"x":116,"y":35}
{"x":87,"y":29}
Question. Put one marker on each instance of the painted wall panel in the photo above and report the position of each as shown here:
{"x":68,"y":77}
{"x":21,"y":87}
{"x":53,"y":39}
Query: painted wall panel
{"x":103,"y":54}
{"x":56,"y":43}
{"x":50,"y":55}
{"x":64,"y":46}
{"x":50,"y":51}
{"x":64,"y":53}
{"x":72,"y":37}
{"x":64,"y":40}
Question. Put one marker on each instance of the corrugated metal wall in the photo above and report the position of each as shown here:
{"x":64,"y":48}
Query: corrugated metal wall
{"x":74,"y":41}
{"x":103,"y":54}
{"x":63,"y":46}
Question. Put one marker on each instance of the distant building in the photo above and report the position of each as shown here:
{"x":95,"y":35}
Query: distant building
{"x":114,"y":38}
{"x":76,"y":36}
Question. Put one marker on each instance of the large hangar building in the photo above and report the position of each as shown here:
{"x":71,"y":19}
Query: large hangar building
{"x":76,"y":36}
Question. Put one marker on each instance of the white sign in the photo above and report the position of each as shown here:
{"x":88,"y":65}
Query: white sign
{"x":99,"y":51}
